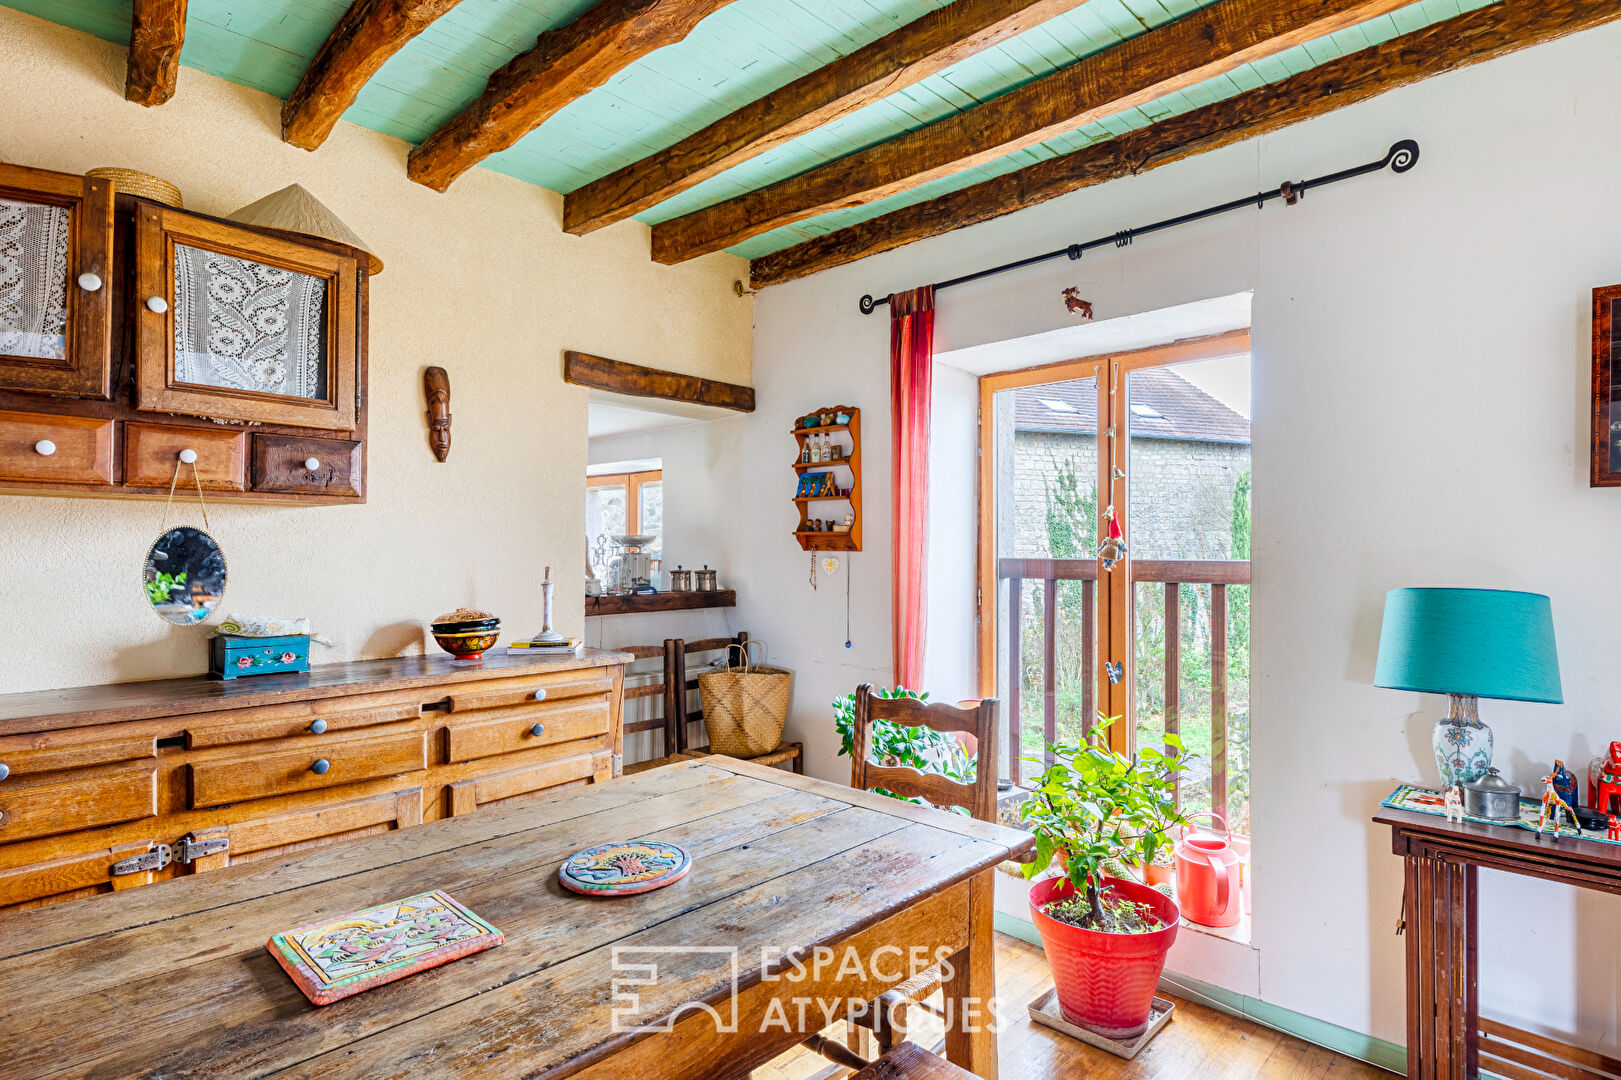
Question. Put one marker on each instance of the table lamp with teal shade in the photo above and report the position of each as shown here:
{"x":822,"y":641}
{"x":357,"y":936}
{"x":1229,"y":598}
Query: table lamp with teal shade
{"x":1468,"y":644}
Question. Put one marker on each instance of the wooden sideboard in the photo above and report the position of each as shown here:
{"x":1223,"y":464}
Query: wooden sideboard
{"x":1447,"y":1038}
{"x":109,"y":787}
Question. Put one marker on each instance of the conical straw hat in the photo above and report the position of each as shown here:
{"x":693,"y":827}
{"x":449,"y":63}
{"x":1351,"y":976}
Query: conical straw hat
{"x":295,"y":210}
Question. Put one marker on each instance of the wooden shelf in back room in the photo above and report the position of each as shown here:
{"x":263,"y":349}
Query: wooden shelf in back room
{"x":664,"y":601}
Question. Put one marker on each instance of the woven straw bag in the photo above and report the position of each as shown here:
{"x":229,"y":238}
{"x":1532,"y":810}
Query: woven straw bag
{"x":745,"y":707}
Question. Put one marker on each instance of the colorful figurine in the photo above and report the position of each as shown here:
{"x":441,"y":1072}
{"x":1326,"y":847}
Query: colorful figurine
{"x":1114,"y":546}
{"x":1604,"y":781}
{"x":1615,"y":828}
{"x":1553,"y":803}
{"x":1564,"y":781}
{"x":1454,"y":804}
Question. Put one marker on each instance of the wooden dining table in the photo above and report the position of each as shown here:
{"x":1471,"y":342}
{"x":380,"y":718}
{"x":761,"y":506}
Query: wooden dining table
{"x":803,"y":897}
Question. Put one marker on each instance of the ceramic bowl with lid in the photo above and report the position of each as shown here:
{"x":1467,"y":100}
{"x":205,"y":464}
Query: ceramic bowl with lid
{"x":464,"y":621}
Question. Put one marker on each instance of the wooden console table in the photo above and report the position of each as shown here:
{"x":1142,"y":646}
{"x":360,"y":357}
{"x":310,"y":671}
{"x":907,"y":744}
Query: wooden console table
{"x":1446,"y":1037}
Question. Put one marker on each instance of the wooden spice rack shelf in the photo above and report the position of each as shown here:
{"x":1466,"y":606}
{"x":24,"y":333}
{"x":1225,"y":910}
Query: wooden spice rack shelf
{"x":816,"y":539}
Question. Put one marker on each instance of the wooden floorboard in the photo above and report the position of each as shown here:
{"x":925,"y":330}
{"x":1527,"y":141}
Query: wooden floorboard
{"x":1198,"y":1043}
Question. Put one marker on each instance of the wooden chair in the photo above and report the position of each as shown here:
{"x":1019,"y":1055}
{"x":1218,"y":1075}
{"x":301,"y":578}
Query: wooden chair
{"x":887,"y":1019}
{"x":909,"y":1061}
{"x":792,"y":754}
{"x":674,"y":691}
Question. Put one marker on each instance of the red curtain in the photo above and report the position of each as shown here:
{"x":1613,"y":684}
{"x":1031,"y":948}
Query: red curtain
{"x":911,"y":380}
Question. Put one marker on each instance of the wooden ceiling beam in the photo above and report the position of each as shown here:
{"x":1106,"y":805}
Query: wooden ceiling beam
{"x":157,"y":33}
{"x":566,"y":63}
{"x":923,"y":47}
{"x":1483,"y":34}
{"x":1176,"y":56}
{"x":369,"y":33}
{"x":618,"y":377}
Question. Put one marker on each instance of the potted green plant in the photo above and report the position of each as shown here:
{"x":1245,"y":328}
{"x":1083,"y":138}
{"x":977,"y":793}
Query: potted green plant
{"x":1105,"y":936}
{"x":920,"y":748}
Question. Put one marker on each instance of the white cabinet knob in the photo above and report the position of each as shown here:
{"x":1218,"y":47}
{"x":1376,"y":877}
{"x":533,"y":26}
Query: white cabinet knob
{"x":189,"y":456}
{"x":157,"y":304}
{"x":540,"y":695}
{"x":90,"y":282}
{"x":312,"y":464}
{"x":45,"y":448}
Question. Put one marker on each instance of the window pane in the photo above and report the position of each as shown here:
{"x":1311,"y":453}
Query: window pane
{"x":650,"y":503}
{"x":604,"y":518}
{"x":33,"y":279}
{"x":242,"y":325}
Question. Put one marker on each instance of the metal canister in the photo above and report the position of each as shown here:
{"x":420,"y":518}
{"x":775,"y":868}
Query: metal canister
{"x":705,"y":579}
{"x":680,"y":580}
{"x":1491,"y":797}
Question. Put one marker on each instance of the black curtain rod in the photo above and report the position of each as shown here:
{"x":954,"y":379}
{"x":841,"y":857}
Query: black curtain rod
{"x":1401,"y":157}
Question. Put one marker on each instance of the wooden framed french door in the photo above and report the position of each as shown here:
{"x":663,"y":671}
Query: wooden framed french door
{"x":1057,"y":631}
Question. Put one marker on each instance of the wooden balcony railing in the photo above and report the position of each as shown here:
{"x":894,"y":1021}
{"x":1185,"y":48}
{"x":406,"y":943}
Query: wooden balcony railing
{"x":1172,"y":574}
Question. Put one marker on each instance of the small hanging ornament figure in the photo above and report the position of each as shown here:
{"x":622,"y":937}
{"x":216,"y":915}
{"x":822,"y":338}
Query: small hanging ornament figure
{"x":1114,"y":545}
{"x":1454,"y":804}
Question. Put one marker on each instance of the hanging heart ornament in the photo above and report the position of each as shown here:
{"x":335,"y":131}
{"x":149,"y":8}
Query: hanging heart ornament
{"x":830,"y":565}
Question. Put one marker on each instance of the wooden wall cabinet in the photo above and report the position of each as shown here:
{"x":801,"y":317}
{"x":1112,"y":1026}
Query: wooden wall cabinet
{"x":56,"y":276}
{"x":109,"y":787}
{"x":236,"y":325}
{"x":165,"y":330}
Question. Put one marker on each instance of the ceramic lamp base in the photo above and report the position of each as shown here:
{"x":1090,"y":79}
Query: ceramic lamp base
{"x":1463,"y":745}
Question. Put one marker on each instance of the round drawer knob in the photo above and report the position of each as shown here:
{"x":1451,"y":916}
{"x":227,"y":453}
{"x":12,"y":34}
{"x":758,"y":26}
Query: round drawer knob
{"x":538,"y":729}
{"x":90,"y":282}
{"x":312,"y":464}
{"x":321,"y":766}
{"x":540,"y":695}
{"x":189,"y":456}
{"x":5,"y":770}
{"x":45,"y":448}
{"x":318,"y":726}
{"x":157,"y":304}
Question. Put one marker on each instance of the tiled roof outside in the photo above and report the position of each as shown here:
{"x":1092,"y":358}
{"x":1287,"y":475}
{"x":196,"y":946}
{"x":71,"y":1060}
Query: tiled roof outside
{"x":1185,"y":411}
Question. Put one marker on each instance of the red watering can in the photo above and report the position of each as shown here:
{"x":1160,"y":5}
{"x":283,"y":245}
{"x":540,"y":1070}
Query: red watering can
{"x":1207,"y":884}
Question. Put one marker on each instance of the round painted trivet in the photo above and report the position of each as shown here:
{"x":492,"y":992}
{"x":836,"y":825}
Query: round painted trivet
{"x":624,"y":868}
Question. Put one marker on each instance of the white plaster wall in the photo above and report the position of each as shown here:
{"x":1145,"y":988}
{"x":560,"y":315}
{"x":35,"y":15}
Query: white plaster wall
{"x":1420,"y":375}
{"x":480,"y":280}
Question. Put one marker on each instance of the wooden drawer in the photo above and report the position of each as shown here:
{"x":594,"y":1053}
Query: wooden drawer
{"x":152,"y":450}
{"x":84,"y":799}
{"x":82,"y":454}
{"x":504,"y":693}
{"x":468,"y":795}
{"x":25,"y":755}
{"x":526,"y":727}
{"x":258,"y":774}
{"x":304,"y":720}
{"x":281,"y":464}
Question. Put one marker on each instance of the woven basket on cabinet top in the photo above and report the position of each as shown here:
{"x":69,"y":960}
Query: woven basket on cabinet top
{"x":142,"y":185}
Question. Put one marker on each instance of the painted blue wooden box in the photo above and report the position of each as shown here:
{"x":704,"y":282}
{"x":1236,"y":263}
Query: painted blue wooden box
{"x":230,"y":656}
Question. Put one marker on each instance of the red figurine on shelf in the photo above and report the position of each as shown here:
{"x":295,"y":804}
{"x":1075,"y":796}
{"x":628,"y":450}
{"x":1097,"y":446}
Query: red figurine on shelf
{"x":1615,"y":828}
{"x":1604,"y":780}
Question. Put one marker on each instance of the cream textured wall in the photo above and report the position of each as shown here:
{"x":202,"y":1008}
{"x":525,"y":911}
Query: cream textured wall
{"x":1420,"y":417}
{"x":480,"y":280}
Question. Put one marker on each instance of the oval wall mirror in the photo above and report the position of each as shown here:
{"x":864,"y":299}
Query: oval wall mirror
{"x":185,"y":576}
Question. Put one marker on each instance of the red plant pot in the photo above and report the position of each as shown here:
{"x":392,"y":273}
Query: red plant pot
{"x":1105,"y":981}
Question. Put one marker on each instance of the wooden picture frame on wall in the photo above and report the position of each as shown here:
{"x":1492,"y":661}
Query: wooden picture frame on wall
{"x":1606,"y":465}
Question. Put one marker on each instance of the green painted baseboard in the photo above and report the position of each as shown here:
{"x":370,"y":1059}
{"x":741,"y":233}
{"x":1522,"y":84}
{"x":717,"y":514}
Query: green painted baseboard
{"x":1385,"y":1055}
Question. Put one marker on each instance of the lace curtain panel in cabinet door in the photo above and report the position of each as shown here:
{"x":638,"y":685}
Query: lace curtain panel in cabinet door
{"x":241,"y":325}
{"x":33,"y":279}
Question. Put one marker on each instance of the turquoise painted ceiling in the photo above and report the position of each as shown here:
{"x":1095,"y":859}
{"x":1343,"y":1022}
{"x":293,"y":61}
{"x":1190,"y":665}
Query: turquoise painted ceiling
{"x":736,"y":55}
